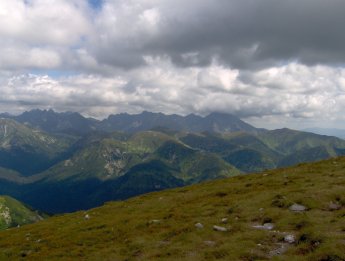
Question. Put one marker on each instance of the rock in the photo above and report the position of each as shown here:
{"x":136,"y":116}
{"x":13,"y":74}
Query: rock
{"x":209,"y":243}
{"x":266,"y":226}
{"x":334,"y":206}
{"x":278,"y":251}
{"x":87,"y":216}
{"x":199,"y":225}
{"x":163,"y":243}
{"x":297,"y":208}
{"x":290,"y":239}
{"x":155,"y":221}
{"x":224,"y":220}
{"x":221,"y":229}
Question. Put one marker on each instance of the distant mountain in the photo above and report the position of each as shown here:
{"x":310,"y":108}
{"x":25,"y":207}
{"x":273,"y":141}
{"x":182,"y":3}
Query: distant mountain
{"x":53,"y":122}
{"x":104,"y":166}
{"x":14,"y":213}
{"x":215,"y":122}
{"x":75,"y":124}
{"x":117,"y":168}
{"x":266,"y":150}
{"x":340,"y":133}
{"x":58,"y":171}
{"x":29,"y":150}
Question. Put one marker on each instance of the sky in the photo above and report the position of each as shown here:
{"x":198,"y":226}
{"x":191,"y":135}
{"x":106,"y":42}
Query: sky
{"x":273,"y":63}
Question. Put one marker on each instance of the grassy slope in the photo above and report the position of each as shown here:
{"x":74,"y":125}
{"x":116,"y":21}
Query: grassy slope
{"x":160,"y":226}
{"x":13,"y":213}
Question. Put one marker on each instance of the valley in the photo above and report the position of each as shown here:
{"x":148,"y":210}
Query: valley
{"x":58,"y":171}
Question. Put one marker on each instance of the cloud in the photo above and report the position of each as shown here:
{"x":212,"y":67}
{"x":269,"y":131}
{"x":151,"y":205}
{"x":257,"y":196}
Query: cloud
{"x":38,"y":33}
{"x":118,"y":34}
{"x":264,"y":60}
{"x":162,"y":87}
{"x":244,"y":34}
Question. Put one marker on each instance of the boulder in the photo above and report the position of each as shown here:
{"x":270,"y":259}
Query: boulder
{"x":290,"y":239}
{"x":199,"y":225}
{"x":221,"y":229}
{"x":210,"y":243}
{"x":297,"y":208}
{"x":334,"y":206}
{"x":266,"y":226}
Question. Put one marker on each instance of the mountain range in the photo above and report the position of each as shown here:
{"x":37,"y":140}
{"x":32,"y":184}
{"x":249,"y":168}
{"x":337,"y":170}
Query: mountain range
{"x":63,"y":162}
{"x":75,"y":123}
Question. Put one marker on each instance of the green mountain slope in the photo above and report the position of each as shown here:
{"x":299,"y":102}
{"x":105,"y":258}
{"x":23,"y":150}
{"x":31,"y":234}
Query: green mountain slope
{"x":257,"y":212}
{"x":288,"y":141}
{"x":193,"y":165}
{"x":267,"y":149}
{"x":14,"y":213}
{"x":29,"y":151}
{"x":110,"y":158}
{"x":86,"y":174}
{"x":110,"y":169}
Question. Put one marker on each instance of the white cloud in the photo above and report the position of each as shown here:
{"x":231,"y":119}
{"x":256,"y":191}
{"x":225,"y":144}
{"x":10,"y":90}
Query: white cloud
{"x":37,"y":33}
{"x":38,"y":22}
{"x":172,"y":56}
{"x":161,"y":86}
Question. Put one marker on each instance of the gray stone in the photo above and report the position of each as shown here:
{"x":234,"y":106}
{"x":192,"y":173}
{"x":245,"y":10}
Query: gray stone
{"x":297,"y":208}
{"x":334,"y":206}
{"x":290,"y":239}
{"x":199,"y":225}
{"x":224,"y":220}
{"x":221,"y":229}
{"x":266,"y":226}
{"x":87,"y":216}
{"x":210,"y":243}
{"x":278,"y":251}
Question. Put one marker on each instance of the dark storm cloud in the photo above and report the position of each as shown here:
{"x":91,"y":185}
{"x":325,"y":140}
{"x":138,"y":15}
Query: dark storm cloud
{"x":241,"y":33}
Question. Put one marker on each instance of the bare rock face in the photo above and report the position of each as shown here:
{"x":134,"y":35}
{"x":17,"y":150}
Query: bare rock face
{"x":297,"y":208}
